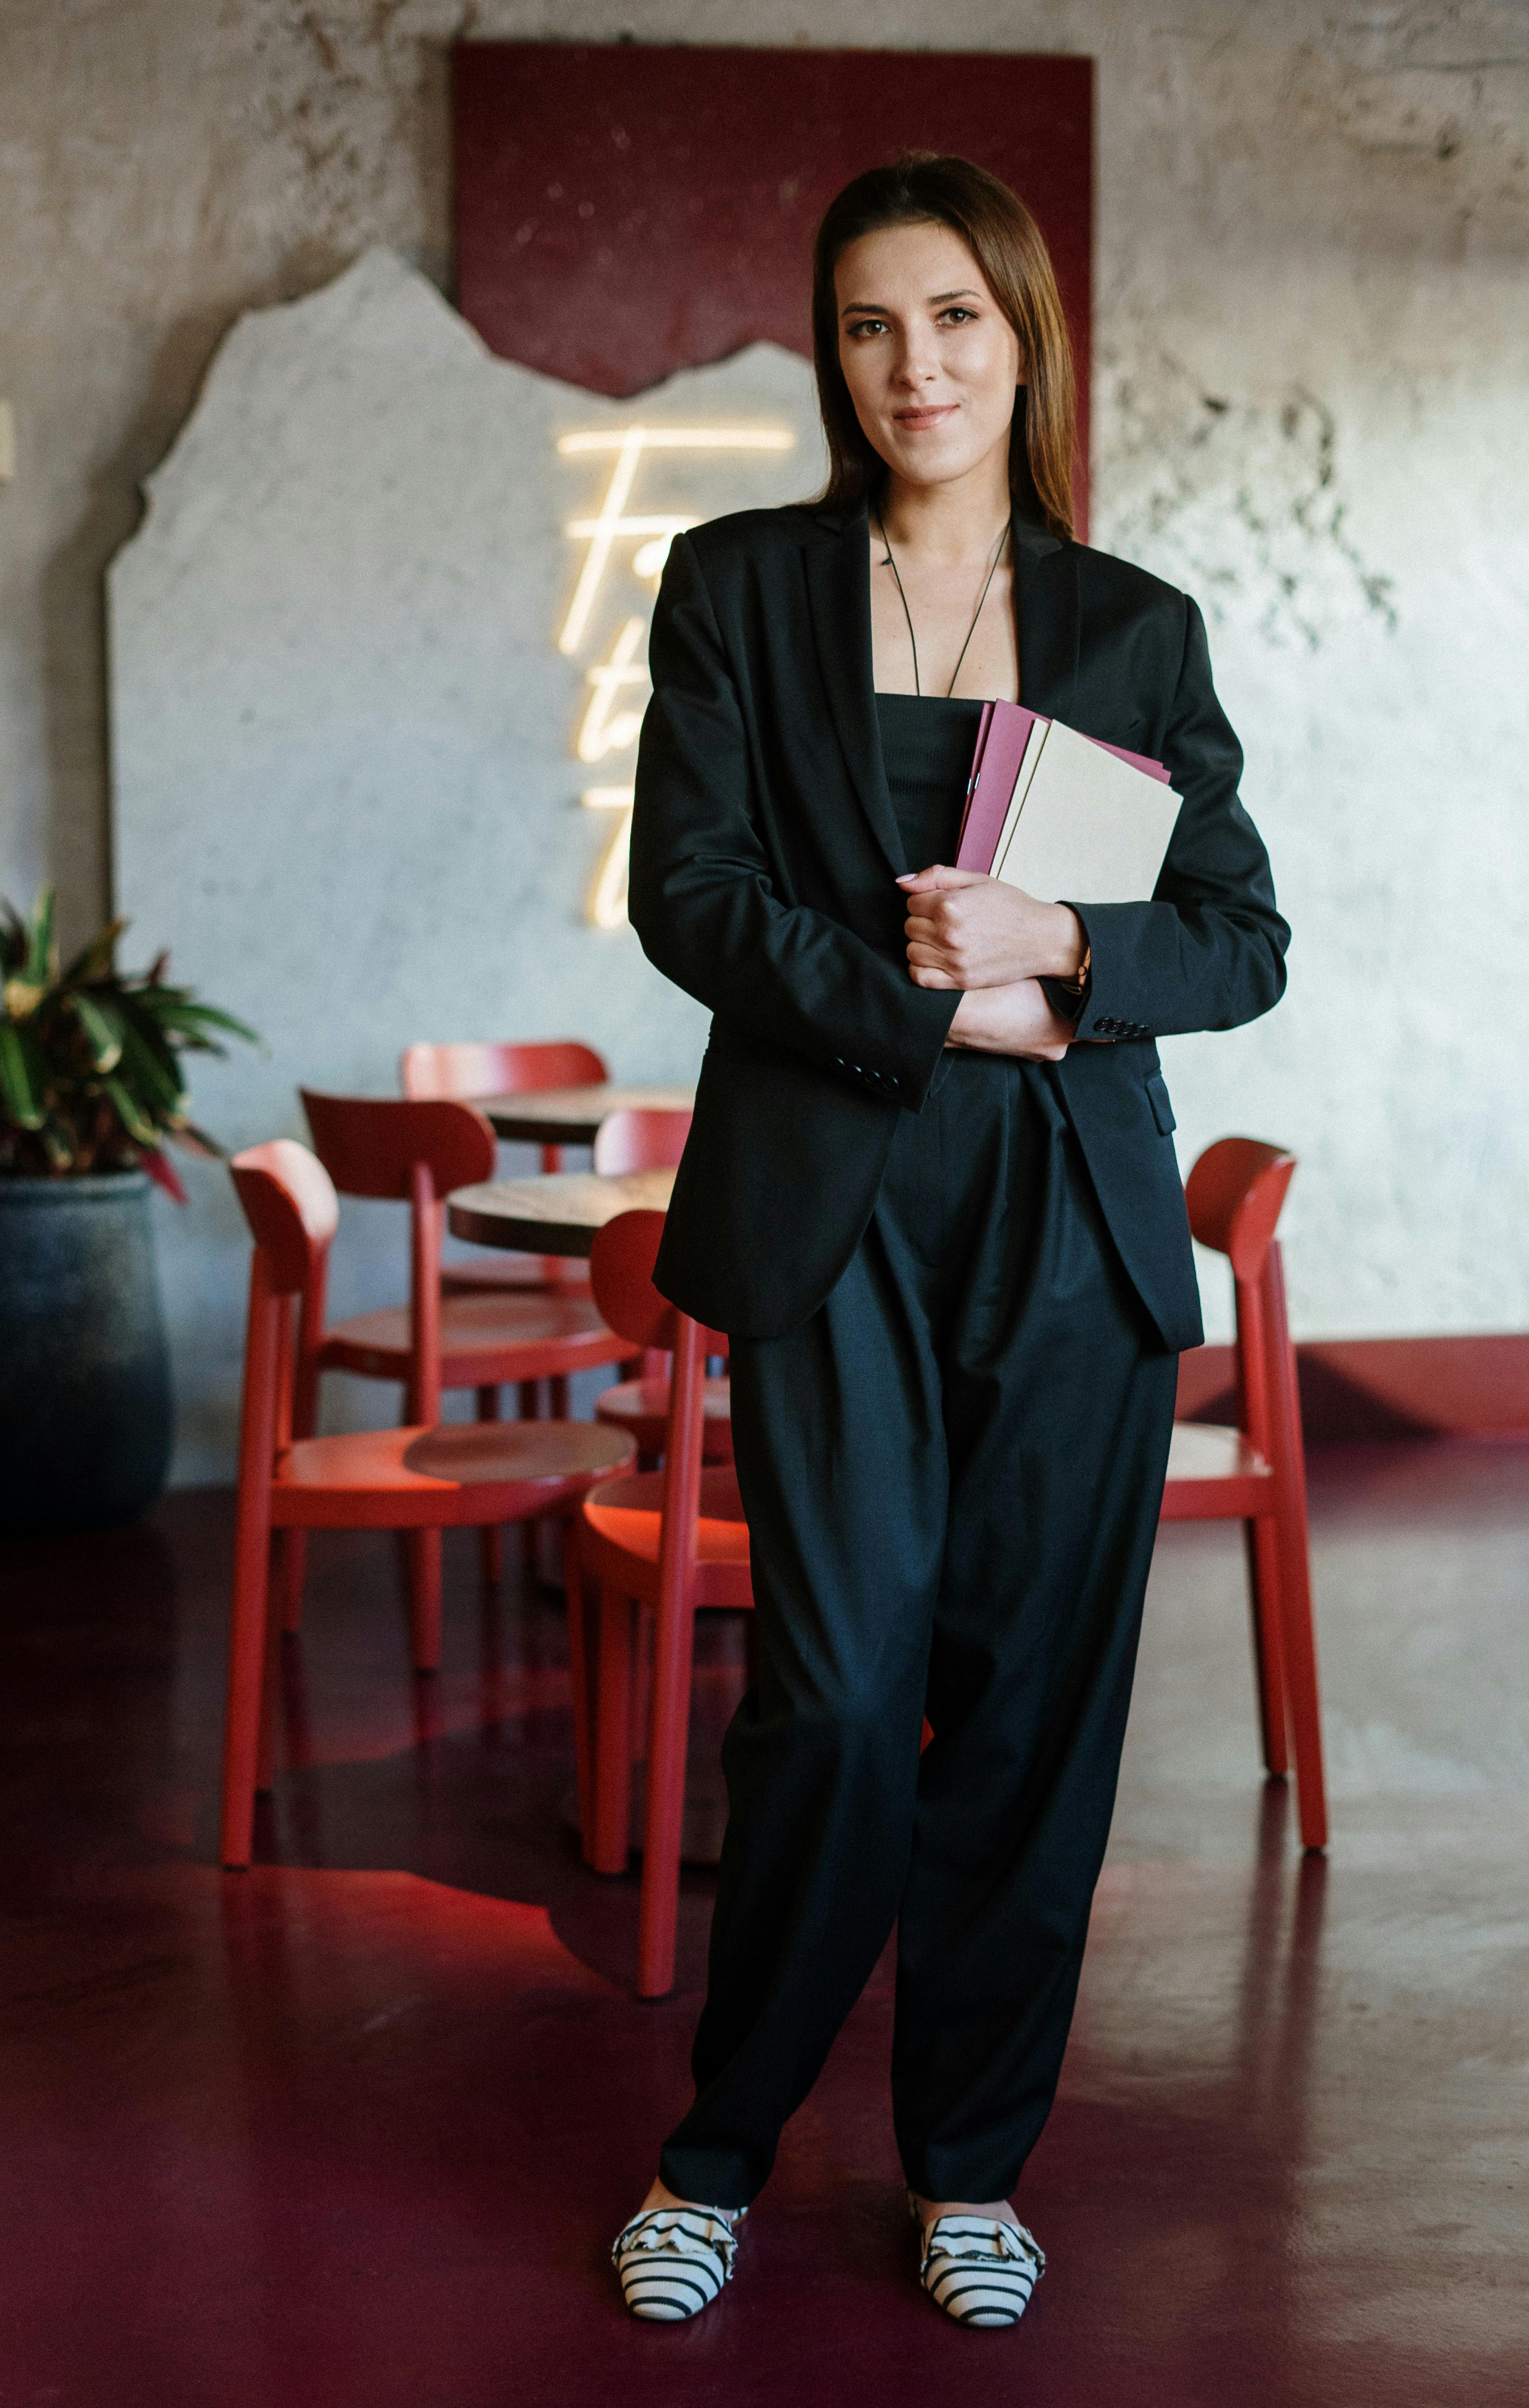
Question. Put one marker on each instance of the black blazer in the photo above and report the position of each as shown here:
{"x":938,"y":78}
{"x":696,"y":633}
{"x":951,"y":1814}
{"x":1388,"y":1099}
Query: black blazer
{"x":764,"y":853}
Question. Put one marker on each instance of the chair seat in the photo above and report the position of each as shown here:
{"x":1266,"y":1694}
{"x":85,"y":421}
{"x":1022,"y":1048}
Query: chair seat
{"x":463,"y":1472}
{"x":642,"y":1407}
{"x":493,"y":1338}
{"x":514,"y":1275}
{"x":623,"y":1527}
{"x":1214,"y":1475}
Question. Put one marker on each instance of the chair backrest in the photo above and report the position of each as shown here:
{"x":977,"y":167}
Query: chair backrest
{"x":387,"y":1146}
{"x":1235,"y":1193}
{"x":640,"y":1139}
{"x":622,"y":1261}
{"x":290,"y":1203}
{"x":289,"y":1200}
{"x":373,"y":1145}
{"x":465,"y":1073}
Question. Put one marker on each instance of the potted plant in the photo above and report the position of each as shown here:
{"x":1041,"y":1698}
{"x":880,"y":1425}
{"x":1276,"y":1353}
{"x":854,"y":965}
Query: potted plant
{"x":91,"y":1088}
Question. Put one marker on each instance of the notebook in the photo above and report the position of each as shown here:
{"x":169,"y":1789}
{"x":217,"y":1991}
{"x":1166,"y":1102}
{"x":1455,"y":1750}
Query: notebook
{"x":1087,"y":822}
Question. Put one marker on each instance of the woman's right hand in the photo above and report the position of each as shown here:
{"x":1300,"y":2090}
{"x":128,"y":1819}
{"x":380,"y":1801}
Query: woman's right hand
{"x":1017,"y":1019}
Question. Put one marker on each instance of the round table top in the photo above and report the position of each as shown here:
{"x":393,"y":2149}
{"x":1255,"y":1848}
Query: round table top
{"x":556,"y":1214}
{"x":571,"y":1115}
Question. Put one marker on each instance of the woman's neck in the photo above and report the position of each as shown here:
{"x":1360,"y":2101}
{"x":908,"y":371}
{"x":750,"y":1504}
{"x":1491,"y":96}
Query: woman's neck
{"x":948,"y":524}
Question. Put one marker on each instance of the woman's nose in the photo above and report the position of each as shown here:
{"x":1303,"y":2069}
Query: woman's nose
{"x":914,"y":366}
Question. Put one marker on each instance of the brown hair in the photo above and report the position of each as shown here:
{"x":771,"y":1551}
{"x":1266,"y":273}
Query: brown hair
{"x":922,"y":188}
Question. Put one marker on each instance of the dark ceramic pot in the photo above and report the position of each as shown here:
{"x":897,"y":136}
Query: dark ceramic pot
{"x":84,"y":1375}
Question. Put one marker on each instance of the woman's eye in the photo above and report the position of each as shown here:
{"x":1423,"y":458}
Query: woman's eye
{"x":867,"y":326}
{"x":956,"y":315}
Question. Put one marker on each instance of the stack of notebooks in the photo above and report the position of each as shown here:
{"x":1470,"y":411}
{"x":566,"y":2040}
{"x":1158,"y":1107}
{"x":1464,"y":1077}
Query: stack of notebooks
{"x":1062,"y":815}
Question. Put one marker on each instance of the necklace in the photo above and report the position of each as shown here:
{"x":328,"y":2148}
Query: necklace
{"x":992,"y":570}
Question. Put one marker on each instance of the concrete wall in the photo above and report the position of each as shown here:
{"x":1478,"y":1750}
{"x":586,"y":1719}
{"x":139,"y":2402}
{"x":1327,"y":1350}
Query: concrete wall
{"x":1312,"y":370}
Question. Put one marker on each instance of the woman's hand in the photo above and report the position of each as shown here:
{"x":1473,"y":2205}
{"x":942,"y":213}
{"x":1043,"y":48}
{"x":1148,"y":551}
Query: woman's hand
{"x":965,"y":930}
{"x":1013,"y":1019}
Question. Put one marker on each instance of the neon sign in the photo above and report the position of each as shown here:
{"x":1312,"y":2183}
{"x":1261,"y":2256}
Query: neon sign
{"x":613,"y":714}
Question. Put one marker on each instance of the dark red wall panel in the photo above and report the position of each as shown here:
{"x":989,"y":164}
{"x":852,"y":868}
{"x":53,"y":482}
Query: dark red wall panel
{"x":624,"y":211}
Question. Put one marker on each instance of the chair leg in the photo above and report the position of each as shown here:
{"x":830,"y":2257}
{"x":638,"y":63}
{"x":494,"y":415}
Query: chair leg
{"x":289,"y":1578}
{"x":1294,"y":1546}
{"x":668,"y":1748}
{"x":1262,"y":1548}
{"x":613,"y":1734}
{"x":271,"y":1686}
{"x":530,"y":1411}
{"x":247,"y":1662}
{"x":423,"y":1548}
{"x":490,"y":1541}
{"x":583,"y":1658}
{"x":557,"y":1389}
{"x":1300,"y":1642}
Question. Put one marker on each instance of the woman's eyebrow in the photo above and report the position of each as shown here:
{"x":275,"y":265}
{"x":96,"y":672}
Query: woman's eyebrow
{"x":935,"y":301}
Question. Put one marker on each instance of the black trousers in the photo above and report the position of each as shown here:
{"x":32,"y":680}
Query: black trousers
{"x":951,"y":1475}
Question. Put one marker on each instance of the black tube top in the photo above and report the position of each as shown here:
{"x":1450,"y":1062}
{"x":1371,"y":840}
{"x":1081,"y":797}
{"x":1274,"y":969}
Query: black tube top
{"x":927,"y":742}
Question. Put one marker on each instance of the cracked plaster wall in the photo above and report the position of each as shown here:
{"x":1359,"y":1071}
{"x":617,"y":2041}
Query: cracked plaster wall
{"x":1311,"y":361}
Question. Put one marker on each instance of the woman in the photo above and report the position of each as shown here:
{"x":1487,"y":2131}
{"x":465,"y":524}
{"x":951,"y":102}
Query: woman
{"x":931,"y":1193}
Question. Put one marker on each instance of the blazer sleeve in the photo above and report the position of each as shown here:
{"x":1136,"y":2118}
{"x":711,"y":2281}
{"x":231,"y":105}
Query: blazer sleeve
{"x":701,"y":896}
{"x":1208,"y":950}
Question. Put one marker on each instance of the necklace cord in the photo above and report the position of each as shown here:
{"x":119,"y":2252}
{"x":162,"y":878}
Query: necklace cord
{"x":993,"y":571}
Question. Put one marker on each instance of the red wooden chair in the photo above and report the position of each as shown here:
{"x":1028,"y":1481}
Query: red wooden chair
{"x":646,"y":1139}
{"x":1256,"y":1473}
{"x":666,"y":1543}
{"x":466,"y":1074}
{"x":421,"y":1478}
{"x":486,"y":1340}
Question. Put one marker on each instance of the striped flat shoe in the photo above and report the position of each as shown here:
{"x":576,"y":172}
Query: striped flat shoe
{"x":674,"y":2260}
{"x":979,"y":2271}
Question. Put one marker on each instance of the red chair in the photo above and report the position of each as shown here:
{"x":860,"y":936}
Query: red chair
{"x":1256,"y":1473}
{"x":420,"y":1479}
{"x":646,"y":1139}
{"x":668,"y":1544}
{"x":468,"y":1073}
{"x":418,"y":1153}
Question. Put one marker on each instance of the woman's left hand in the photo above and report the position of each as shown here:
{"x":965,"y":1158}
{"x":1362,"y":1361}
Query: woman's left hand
{"x":965,"y":930}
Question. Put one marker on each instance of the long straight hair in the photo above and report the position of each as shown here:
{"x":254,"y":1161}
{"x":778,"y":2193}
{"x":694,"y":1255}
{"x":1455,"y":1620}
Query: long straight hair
{"x":922,"y":188}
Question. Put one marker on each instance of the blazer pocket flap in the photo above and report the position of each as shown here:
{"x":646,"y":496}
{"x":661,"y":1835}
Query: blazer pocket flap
{"x":1157,"y":1095}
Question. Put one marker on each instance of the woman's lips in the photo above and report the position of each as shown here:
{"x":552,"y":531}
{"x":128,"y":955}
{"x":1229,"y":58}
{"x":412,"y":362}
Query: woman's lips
{"x":915,"y":418}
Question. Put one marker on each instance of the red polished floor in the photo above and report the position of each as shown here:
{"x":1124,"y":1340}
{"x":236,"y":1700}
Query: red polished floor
{"x":356,"y":2127}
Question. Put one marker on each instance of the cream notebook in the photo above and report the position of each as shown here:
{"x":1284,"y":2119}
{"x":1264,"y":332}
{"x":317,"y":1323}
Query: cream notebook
{"x":1084,"y":826}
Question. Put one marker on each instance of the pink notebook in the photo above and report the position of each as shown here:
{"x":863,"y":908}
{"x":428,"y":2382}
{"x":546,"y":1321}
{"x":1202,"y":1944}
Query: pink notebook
{"x":1135,"y":760}
{"x":1003,"y":734}
{"x":1001,"y":741}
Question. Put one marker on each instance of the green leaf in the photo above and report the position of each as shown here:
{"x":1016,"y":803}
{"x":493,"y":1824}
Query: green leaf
{"x":104,"y":1027}
{"x":174,"y":1009}
{"x":41,"y":952}
{"x":24,"y":1078}
{"x":149,"y":1068}
{"x":129,"y":1112}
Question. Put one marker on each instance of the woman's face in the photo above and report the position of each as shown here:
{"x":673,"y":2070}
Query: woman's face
{"x":931,"y":361}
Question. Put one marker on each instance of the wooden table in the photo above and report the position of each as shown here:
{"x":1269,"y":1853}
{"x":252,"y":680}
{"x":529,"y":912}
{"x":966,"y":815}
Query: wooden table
{"x":571,"y":1115}
{"x":556,"y":1213}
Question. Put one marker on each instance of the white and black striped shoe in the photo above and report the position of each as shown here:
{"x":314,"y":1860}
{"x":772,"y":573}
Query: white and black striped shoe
{"x":674,"y":2260}
{"x":979,"y":2271}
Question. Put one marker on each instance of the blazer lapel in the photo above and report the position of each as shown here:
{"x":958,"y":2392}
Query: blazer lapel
{"x":839,"y":594}
{"x":1045,"y":601}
